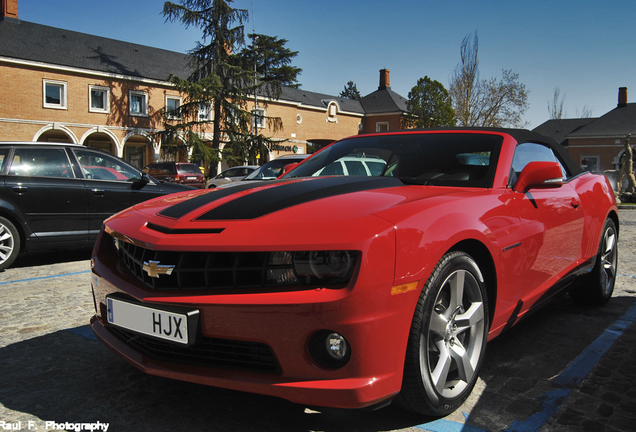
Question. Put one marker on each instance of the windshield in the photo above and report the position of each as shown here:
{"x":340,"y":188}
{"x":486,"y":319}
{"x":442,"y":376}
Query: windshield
{"x":270,"y":170}
{"x":188,"y":168}
{"x":440,"y":159}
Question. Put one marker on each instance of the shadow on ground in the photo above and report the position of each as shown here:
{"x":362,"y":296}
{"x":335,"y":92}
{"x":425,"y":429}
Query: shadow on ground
{"x":51,"y":257}
{"x":68,"y":376}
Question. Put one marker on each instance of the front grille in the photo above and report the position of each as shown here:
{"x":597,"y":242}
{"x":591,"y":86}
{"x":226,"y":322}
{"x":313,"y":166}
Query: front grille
{"x":208,"y":352}
{"x":202,"y":270}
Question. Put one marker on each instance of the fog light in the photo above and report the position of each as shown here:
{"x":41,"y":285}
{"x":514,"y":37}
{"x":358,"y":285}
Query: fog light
{"x":329,"y":349}
{"x":336,"y":346}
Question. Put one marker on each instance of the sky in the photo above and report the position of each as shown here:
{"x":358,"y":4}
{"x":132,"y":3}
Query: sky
{"x":585,"y":48}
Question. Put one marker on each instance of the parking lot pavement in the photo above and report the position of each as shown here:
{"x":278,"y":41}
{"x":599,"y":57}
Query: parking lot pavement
{"x":566,"y":368}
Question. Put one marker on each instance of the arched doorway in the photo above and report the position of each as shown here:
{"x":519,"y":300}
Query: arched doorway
{"x":138,"y":151}
{"x":55,"y":133}
{"x":100,"y":141}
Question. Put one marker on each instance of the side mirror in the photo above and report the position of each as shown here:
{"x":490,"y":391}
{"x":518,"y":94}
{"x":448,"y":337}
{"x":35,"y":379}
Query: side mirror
{"x":539,"y":175}
{"x":289,"y":167}
{"x":142,"y":181}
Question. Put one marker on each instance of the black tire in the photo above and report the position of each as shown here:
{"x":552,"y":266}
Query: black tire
{"x":9,"y":243}
{"x":596,"y":288}
{"x":447,"y":341}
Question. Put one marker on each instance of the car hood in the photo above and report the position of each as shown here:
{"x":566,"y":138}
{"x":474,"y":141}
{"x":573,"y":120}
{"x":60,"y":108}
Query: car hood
{"x":254,"y":200}
{"x":290,"y":211}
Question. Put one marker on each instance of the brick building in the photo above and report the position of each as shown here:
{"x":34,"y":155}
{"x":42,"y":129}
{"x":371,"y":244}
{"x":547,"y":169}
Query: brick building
{"x":65,"y":86}
{"x":596,"y":144}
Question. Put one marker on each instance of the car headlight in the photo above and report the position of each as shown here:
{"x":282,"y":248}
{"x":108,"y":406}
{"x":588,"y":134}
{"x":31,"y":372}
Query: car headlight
{"x":312,"y":267}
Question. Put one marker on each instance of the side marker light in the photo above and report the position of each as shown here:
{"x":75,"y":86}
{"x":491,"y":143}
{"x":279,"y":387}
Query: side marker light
{"x":401,"y":289}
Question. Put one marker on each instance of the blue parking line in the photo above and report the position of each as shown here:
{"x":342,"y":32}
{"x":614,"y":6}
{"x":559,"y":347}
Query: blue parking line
{"x":443,"y":425}
{"x":84,"y":331}
{"x":573,"y":376}
{"x":568,"y":380}
{"x":44,"y":277}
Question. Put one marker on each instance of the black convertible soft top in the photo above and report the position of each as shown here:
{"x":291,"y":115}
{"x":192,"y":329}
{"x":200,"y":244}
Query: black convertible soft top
{"x":521,"y":136}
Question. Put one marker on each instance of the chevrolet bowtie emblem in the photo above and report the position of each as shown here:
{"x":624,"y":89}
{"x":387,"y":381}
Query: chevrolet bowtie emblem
{"x":154,"y":269}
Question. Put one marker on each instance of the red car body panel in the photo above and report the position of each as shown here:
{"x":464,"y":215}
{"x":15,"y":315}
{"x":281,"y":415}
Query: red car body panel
{"x":528,"y":242}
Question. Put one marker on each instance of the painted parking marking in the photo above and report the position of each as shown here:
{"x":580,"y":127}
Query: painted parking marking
{"x":85,"y":331}
{"x":44,"y":277}
{"x":443,"y":425}
{"x":568,"y":380}
{"x":573,"y":376}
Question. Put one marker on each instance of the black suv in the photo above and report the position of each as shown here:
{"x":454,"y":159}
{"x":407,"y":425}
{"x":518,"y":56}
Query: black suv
{"x":57,"y":195}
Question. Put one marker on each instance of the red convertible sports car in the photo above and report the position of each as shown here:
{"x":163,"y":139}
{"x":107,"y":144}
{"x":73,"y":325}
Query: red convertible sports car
{"x":374,"y":271}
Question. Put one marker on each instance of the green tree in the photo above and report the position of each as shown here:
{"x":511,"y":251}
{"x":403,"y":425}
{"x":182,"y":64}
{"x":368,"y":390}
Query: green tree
{"x":489,"y":103}
{"x":351,"y":92}
{"x":226,"y":74}
{"x":429,"y":105}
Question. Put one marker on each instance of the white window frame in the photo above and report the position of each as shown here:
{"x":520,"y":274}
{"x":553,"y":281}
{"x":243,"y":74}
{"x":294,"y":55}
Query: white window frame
{"x":144,"y":111}
{"x":106,"y":91}
{"x":258,"y":118}
{"x":63,"y":94}
{"x":169,"y":114}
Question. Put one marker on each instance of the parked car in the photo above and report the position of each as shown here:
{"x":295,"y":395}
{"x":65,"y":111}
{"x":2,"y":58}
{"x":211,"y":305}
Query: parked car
{"x":355,"y":291}
{"x":57,"y":195}
{"x":184,"y":173}
{"x":274,"y":168}
{"x":230,"y":175}
{"x":354,"y":165}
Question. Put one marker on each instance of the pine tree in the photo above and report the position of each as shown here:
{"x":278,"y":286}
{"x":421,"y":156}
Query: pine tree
{"x":226,"y":75}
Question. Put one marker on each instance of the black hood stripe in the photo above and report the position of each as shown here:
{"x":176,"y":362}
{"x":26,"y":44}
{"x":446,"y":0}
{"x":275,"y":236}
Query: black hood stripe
{"x":179,"y":210}
{"x":290,"y":194}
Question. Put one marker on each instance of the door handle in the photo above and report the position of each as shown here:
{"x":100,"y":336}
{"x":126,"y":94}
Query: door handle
{"x":575,"y":202}
{"x":98,"y":192}
{"x":20,"y":190}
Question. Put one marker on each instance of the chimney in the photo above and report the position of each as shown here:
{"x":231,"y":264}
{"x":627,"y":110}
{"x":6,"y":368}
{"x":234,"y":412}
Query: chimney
{"x":385,"y":79}
{"x":622,"y":97}
{"x":9,"y":9}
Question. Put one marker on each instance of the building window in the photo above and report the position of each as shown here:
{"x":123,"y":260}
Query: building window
{"x":138,"y":103}
{"x":172,"y":107}
{"x":299,"y":118}
{"x":54,"y":94}
{"x":590,"y":163}
{"x":382,"y":127}
{"x":332,"y":111}
{"x":258,"y":118}
{"x":99,"y":99}
{"x":205,"y":112}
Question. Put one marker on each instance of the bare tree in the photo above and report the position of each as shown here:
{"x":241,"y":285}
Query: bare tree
{"x":464,"y":86}
{"x":556,"y":108}
{"x":491,"y":103}
{"x":586,"y":112}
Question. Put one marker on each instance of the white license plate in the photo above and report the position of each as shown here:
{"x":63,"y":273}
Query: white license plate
{"x":170,"y":326}
{"x":191,"y":178}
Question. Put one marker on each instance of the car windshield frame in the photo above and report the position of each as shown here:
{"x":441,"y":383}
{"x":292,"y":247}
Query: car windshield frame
{"x":276,"y":166}
{"x":436,"y":159}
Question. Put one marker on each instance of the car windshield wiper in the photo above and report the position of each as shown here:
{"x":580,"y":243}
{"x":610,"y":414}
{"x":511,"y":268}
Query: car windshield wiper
{"x":414,"y":181}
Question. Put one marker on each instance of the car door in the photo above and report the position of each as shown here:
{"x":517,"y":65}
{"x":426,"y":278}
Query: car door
{"x":551,"y":229}
{"x":112,"y":185}
{"x":41,"y":184}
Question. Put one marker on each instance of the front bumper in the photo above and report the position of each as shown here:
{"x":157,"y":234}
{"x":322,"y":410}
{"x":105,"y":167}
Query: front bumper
{"x":374,"y":321}
{"x":356,"y":392}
